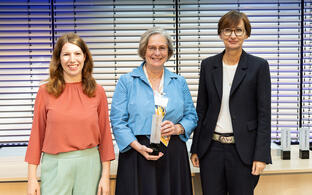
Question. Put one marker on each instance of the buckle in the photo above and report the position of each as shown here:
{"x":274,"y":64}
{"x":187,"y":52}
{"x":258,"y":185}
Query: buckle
{"x":223,"y":139}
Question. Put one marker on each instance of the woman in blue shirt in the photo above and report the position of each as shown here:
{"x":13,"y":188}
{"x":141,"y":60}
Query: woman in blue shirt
{"x":132,"y":109}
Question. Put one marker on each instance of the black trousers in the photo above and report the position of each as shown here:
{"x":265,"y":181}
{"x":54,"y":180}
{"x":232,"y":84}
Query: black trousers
{"x":222,"y":172}
{"x":170,"y":175}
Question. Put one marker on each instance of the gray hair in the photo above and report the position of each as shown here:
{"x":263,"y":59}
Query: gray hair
{"x":145,"y":37}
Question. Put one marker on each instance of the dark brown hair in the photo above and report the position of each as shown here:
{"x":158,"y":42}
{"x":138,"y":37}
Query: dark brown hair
{"x":56,"y":82}
{"x":232,"y":19}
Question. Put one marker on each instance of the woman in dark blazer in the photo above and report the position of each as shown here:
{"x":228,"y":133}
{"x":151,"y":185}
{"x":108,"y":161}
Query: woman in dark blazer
{"x":231,"y":143}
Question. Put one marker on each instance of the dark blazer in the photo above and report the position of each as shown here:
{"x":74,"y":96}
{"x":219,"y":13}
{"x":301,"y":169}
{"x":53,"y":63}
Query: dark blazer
{"x":250,"y":107}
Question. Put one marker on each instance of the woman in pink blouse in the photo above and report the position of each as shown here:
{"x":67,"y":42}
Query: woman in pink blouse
{"x":70,"y":126}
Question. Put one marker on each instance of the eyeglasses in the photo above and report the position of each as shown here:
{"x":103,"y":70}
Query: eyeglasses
{"x":161,"y":49}
{"x":237,"y":31}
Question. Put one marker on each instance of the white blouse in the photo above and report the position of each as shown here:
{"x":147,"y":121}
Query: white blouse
{"x":224,"y":123}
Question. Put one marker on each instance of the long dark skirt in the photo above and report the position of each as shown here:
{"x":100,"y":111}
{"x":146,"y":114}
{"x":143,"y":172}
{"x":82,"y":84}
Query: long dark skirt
{"x":170,"y":175}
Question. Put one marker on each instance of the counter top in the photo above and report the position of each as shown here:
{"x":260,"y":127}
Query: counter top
{"x":13,"y":167}
{"x":294,"y":165}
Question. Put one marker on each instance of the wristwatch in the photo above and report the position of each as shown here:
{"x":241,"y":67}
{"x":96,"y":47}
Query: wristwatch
{"x":181,"y":131}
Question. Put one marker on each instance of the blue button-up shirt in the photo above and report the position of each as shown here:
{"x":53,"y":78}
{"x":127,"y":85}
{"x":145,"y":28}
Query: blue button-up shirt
{"x":133,"y":106}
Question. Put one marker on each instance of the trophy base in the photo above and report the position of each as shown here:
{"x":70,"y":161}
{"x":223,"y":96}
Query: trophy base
{"x":156,"y":149}
{"x":304,"y":154}
{"x":285,"y":155}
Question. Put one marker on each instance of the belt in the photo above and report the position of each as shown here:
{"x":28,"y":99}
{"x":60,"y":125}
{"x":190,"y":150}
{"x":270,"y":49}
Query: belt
{"x":223,"y":139}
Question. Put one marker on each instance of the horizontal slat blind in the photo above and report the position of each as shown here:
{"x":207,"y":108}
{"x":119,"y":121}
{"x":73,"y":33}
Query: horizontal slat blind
{"x":307,"y":66}
{"x":112,"y":30}
{"x":25,"y":52}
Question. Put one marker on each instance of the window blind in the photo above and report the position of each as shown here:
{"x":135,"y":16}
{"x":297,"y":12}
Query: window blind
{"x":307,"y":66}
{"x":25,"y":52}
{"x":112,"y":29}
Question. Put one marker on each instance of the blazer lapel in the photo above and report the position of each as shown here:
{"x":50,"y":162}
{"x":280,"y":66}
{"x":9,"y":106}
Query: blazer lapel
{"x":217,"y":75}
{"x":240,"y":72}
